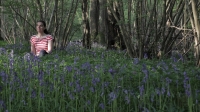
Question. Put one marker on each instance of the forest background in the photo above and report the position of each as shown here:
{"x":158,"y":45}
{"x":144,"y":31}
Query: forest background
{"x":110,"y":55}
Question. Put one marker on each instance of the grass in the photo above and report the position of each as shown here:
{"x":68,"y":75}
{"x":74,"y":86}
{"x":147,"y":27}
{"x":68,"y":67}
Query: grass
{"x":96,"y":80}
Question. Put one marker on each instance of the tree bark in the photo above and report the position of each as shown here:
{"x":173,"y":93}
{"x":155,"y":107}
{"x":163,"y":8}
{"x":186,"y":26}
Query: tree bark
{"x":86,"y":27}
{"x":197,"y":32}
{"x":1,"y":7}
{"x":103,"y":23}
{"x":94,"y":17}
{"x":40,"y":9}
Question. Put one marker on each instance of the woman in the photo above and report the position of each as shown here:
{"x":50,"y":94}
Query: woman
{"x":42,"y":42}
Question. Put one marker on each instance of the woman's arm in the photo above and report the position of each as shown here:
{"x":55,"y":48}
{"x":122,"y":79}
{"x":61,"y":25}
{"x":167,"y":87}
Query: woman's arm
{"x":50,"y":46}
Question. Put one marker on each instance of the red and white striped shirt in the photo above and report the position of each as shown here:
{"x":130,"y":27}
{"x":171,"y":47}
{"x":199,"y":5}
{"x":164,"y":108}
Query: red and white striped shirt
{"x":40,"y":44}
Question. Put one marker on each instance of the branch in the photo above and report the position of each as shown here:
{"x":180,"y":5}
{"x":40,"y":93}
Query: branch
{"x":22,"y":17}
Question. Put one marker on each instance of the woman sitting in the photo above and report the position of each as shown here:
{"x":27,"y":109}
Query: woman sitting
{"x":42,"y":42}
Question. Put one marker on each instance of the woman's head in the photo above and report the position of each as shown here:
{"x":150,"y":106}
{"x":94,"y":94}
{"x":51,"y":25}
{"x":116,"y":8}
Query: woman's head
{"x":41,"y":27}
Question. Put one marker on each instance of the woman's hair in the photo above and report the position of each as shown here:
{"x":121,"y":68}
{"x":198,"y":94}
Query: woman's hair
{"x":43,"y":22}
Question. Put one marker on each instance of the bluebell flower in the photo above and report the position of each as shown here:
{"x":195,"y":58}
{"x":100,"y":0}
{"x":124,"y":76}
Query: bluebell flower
{"x":141,"y":88}
{"x":2,"y":51}
{"x":2,"y":104}
{"x":168,"y":80}
{"x":88,"y":102}
{"x":127,"y":99}
{"x":168,"y":93}
{"x":136,"y":61}
{"x":126,"y":91}
{"x":42,"y":95}
{"x":102,"y":106}
{"x":158,"y":91}
{"x":76,"y":59}
{"x":152,"y":97}
{"x":145,"y":56}
{"x":86,"y":65}
{"x":105,"y":85}
{"x":145,"y":110}
{"x":92,"y":89}
{"x":162,"y":90}
{"x":70,"y":95}
{"x":95,"y":81}
{"x":112,"y":96}
{"x":69,"y":68}
{"x":33,"y":94}
{"x":111,"y":71}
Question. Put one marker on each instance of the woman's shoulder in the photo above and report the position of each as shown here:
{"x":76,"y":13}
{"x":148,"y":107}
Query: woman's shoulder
{"x":33,"y":36}
{"x":49,"y":36}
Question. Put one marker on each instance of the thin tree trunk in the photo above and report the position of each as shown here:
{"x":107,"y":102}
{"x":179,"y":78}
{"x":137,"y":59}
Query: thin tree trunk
{"x":1,"y":8}
{"x":93,"y":21}
{"x":40,"y":9}
{"x":103,"y":26}
{"x":197,"y":31}
{"x":86,"y":27}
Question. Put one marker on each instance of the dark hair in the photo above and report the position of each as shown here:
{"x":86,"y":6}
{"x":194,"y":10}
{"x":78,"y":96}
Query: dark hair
{"x":43,"y":22}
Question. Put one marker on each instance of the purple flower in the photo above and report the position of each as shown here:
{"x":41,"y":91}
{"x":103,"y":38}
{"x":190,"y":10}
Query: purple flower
{"x":40,"y":75}
{"x":86,"y":65}
{"x":88,"y":102}
{"x":92,"y":89}
{"x":2,"y":50}
{"x":157,"y":91}
{"x":168,"y":93}
{"x":12,"y":96}
{"x":69,"y":68}
{"x":111,"y":71}
{"x":70,"y":95}
{"x":126,"y":91}
{"x":33,"y":94}
{"x":95,"y":81}
{"x":127,"y":99}
{"x":42,"y":95}
{"x":145,"y":56}
{"x":76,"y":59}
{"x":187,"y":92}
{"x":145,"y":110}
{"x":70,"y":84}
{"x":4,"y":76}
{"x":141,"y":88}
{"x":136,"y":61}
{"x":168,"y":80}
{"x":145,"y":70}
{"x":112,"y":96}
{"x":102,"y":55}
{"x":152,"y":97}
{"x":2,"y":104}
{"x":105,"y":84}
{"x":24,"y":102}
{"x":101,"y":105}
{"x":162,"y":90}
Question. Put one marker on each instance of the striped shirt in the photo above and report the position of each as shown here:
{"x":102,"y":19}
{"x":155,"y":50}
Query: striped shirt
{"x":40,"y":44}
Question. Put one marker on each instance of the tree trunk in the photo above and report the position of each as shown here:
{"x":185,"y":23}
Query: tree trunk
{"x":115,"y":39}
{"x":103,"y":23}
{"x":1,"y":38}
{"x":40,"y":9}
{"x":94,"y":16}
{"x":86,"y":28}
{"x":197,"y":32}
{"x":126,"y":37}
